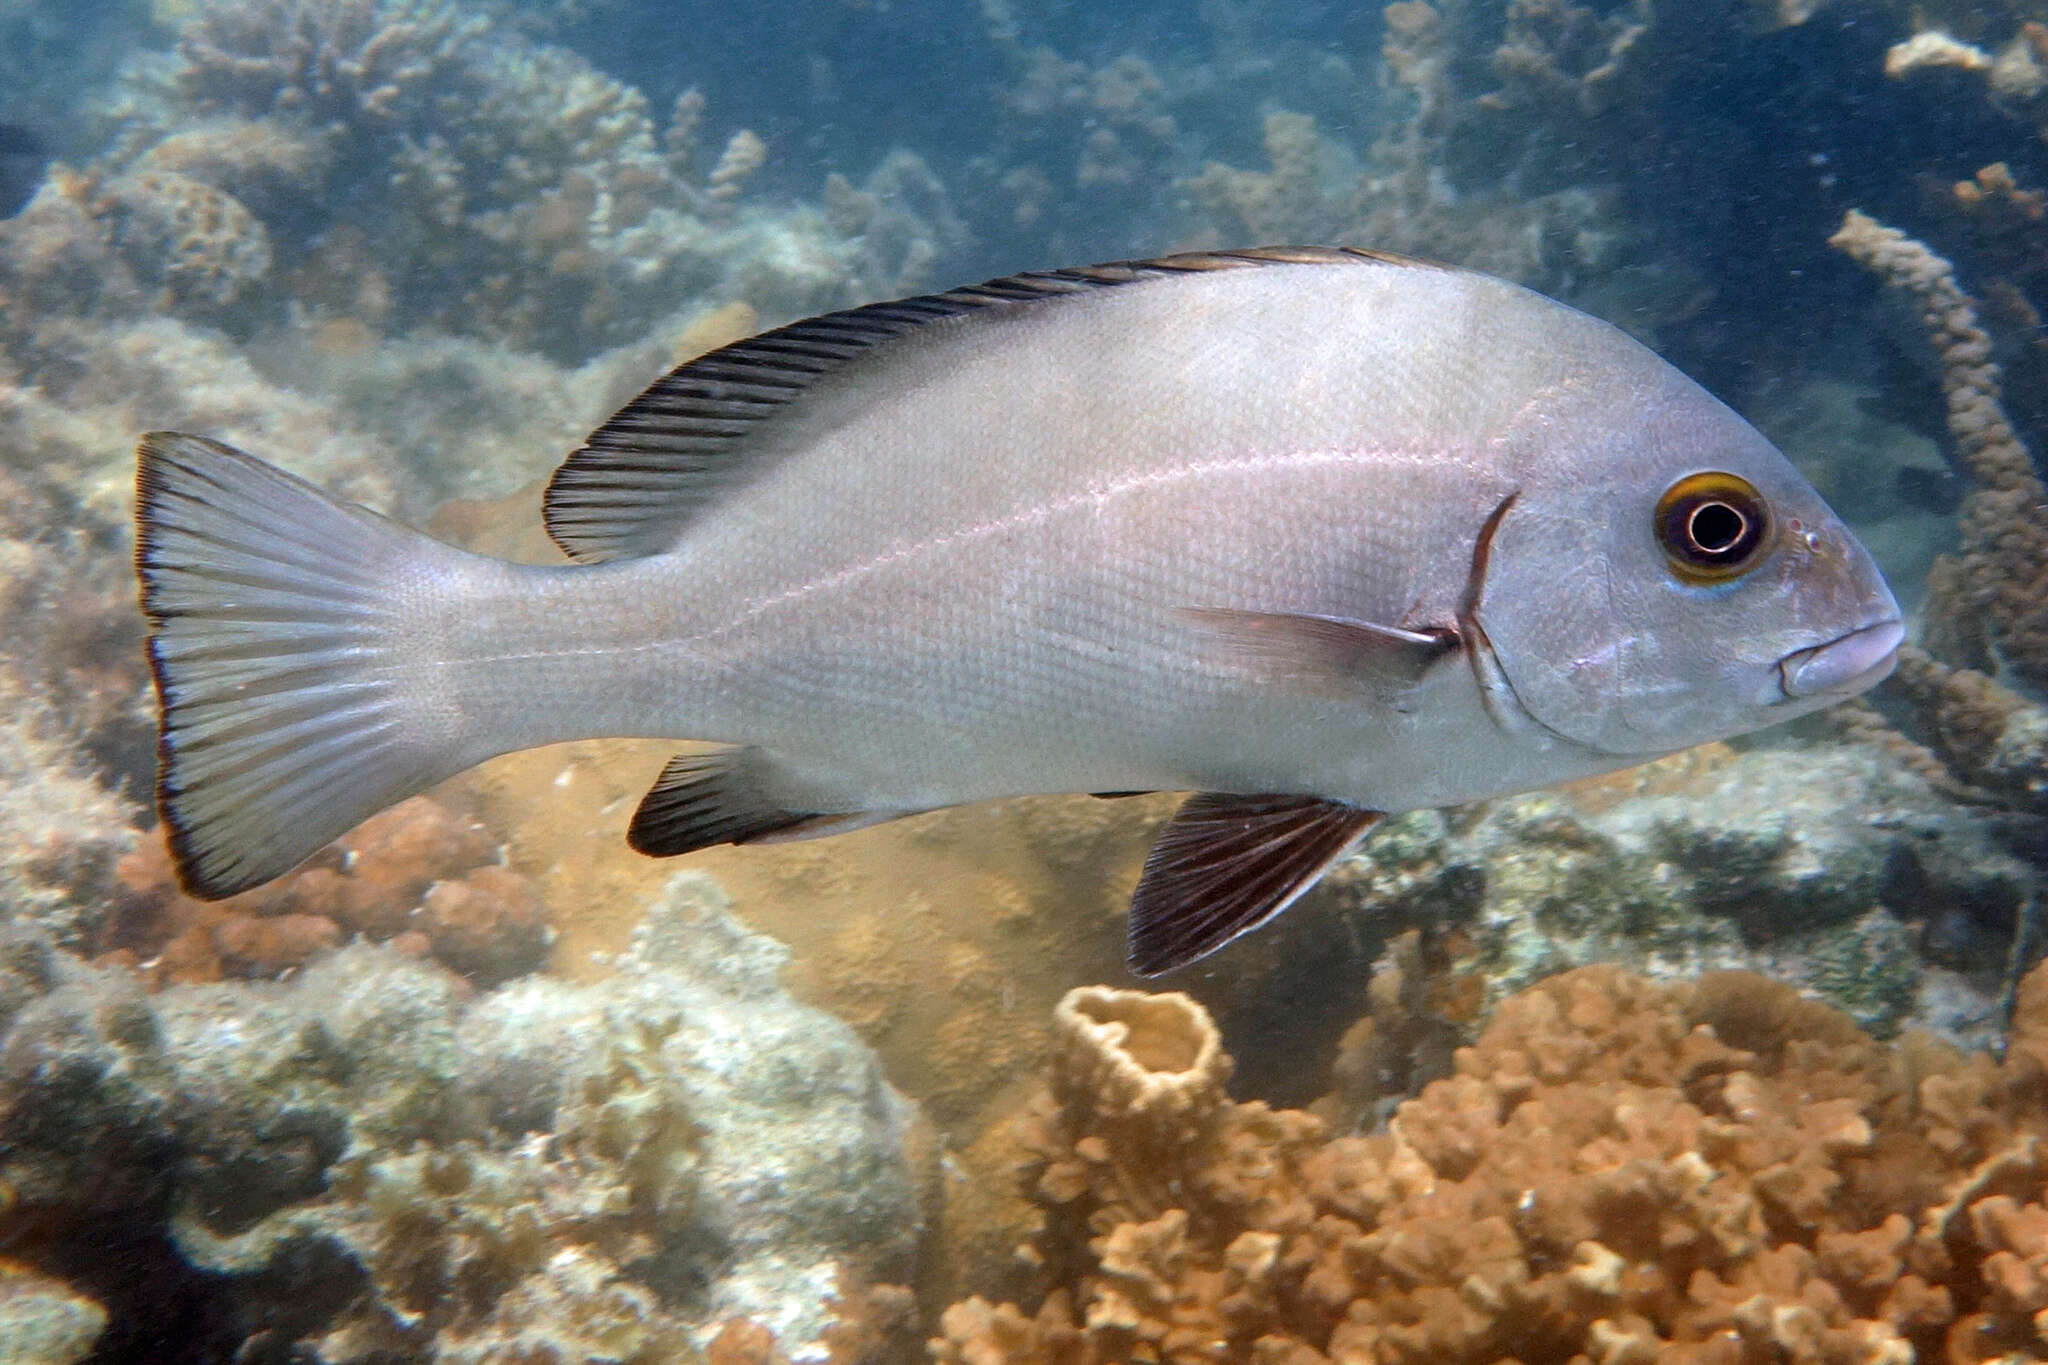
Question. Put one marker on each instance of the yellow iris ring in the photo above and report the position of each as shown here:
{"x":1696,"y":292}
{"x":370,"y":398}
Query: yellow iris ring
{"x":1712,"y":527}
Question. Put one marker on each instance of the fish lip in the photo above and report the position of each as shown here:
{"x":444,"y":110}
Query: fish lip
{"x":1845,"y":665}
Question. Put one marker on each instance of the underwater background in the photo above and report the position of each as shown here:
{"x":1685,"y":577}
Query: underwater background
{"x":1738,"y":1057}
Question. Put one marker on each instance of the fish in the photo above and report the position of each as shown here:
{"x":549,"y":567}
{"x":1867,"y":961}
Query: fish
{"x":1316,"y":534}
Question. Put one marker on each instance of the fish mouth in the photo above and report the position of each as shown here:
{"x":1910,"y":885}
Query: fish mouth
{"x":1845,"y":665}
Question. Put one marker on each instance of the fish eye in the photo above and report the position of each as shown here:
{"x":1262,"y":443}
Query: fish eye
{"x":1712,"y":527}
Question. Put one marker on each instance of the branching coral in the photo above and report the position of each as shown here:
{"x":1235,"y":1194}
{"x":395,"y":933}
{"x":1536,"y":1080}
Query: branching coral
{"x":1991,"y":737}
{"x":2005,"y":535}
{"x":528,"y":194}
{"x":1616,"y":1173}
{"x":327,"y":61}
{"x":1298,"y":199}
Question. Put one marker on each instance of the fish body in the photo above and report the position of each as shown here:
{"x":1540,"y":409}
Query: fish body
{"x":1321,"y":533}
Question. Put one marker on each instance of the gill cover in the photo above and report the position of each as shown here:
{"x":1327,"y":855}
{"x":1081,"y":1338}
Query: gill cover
{"x":1547,"y":612}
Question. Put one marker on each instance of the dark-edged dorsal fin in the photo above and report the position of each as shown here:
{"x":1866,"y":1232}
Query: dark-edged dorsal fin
{"x":648,"y":472}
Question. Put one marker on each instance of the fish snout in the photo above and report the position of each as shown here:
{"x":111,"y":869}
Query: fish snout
{"x":1846,"y":665}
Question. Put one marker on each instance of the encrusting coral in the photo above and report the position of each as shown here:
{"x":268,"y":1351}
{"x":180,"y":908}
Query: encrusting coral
{"x":2005,"y":538}
{"x":1617,"y":1173}
{"x":418,"y":875}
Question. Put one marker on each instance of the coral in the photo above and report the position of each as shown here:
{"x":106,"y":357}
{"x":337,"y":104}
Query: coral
{"x":44,"y":1322}
{"x":325,"y":61}
{"x":417,"y":874}
{"x":1577,"y":60}
{"x":531,"y":198}
{"x":1080,"y":140}
{"x":2013,"y":74}
{"x":1617,"y":1171}
{"x":198,"y":243}
{"x":1993,"y":739}
{"x":1814,"y":864}
{"x":901,"y":222}
{"x":371,"y":1164}
{"x":1932,"y":47}
{"x":943,"y":939}
{"x":2005,"y":541}
{"x":1149,"y":1068}
{"x":1403,"y":1040}
{"x":1302,"y":198}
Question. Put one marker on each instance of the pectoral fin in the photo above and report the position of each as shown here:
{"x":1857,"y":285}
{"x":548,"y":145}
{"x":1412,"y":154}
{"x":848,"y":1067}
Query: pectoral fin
{"x":1224,"y":865}
{"x":1330,"y":653}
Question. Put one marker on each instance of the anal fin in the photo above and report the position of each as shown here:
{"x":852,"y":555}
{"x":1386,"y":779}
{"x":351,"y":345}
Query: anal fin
{"x":1224,"y":865}
{"x":715,"y":797}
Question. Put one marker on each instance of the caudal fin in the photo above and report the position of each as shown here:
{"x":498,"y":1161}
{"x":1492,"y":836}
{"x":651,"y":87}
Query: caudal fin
{"x":275,"y":634}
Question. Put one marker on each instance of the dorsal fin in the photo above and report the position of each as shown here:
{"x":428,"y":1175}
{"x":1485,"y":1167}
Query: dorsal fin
{"x":648,"y":472}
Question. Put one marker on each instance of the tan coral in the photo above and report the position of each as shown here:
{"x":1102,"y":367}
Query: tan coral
{"x":1932,"y":47}
{"x":1619,"y":1173}
{"x":1151,"y":1063}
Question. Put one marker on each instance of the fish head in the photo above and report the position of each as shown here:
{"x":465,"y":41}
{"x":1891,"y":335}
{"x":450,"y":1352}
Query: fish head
{"x":1667,"y":577}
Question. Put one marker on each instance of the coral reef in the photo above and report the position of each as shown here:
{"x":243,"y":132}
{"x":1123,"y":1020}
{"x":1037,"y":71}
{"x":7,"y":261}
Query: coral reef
{"x":418,"y":875}
{"x":413,"y":249}
{"x":371,"y":1167}
{"x":328,"y":63}
{"x":2005,"y":541}
{"x":1617,"y":1171}
{"x":528,"y":197}
{"x":943,"y":939}
{"x":200,"y":245}
{"x":1827,"y":866}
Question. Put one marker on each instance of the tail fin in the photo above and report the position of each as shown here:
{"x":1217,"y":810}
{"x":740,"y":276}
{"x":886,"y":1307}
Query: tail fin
{"x":274,"y":625}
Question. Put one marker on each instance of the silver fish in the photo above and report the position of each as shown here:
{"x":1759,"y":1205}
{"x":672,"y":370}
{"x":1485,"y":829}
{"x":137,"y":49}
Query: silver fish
{"x":1316,"y":533}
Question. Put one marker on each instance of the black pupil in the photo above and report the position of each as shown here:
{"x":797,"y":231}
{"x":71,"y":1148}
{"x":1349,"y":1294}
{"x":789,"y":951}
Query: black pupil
{"x":1715,"y":528}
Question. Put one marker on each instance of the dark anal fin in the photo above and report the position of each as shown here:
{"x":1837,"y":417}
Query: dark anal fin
{"x":1224,"y":865}
{"x":717,"y":797}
